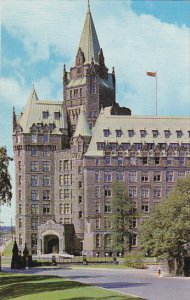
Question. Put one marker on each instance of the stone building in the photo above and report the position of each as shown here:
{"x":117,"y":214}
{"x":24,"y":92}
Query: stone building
{"x":68,"y":152}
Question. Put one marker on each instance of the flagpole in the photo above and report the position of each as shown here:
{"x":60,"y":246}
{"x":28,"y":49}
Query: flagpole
{"x":156,"y":95}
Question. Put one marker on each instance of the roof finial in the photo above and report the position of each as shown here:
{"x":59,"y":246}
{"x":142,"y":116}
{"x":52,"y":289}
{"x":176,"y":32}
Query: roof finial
{"x":88,"y":5}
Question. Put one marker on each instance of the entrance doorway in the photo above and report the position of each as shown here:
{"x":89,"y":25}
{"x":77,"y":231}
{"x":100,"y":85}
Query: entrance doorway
{"x":51,"y":244}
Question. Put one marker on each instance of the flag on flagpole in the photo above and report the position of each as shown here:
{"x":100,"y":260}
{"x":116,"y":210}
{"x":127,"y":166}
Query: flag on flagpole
{"x":152,"y":74}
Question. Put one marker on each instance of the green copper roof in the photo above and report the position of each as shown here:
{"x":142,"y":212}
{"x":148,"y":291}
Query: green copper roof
{"x":89,"y":41}
{"x":33,"y":114}
{"x":82,"y":128}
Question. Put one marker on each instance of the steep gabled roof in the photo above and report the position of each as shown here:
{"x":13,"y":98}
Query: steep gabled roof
{"x":89,"y":43}
{"x":33,"y":114}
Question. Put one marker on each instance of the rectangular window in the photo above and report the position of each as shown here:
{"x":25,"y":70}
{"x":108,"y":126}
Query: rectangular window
{"x":120,"y":161}
{"x":20,"y":208}
{"x":145,"y":192}
{"x":118,"y":133}
{"x":130,"y":133}
{"x":80,"y":184}
{"x":46,"y":180}
{"x":107,"y":192}
{"x":34,"y":195}
{"x":179,"y":133}
{"x":20,"y":240}
{"x":97,"y":176}
{"x":60,"y":165}
{"x":45,"y":114}
{"x":34,"y":166}
{"x":66,"y":193}
{"x":61,"y":210}
{"x":80,"y":199}
{"x":20,"y":223}
{"x":108,"y":176}
{"x":80,"y":214}
{"x":34,"y":223}
{"x":106,"y":132}
{"x":143,"y":133}
{"x":155,"y":133}
{"x":57,"y":115}
{"x":34,"y":180}
{"x":157,"y":192}
{"x":97,"y":207}
{"x":66,"y":165}
{"x":169,"y":160}
{"x":45,"y":138}
{"x":101,"y":146}
{"x":181,"y":161}
{"x":133,"y":192}
{"x":61,"y":180}
{"x":97,"y":161}
{"x":144,"y":176}
{"x":19,"y":195}
{"x":133,"y":161}
{"x":169,"y":176}
{"x":34,"y":138}
{"x":34,"y":240}
{"x":167,"y":133}
{"x":46,"y":209}
{"x":107,"y":160}
{"x":157,"y":177}
{"x":145,"y":207}
{"x":157,"y":161}
{"x":19,"y":165}
{"x":97,"y":241}
{"x":46,"y":152}
{"x":97,"y":192}
{"x":133,"y":223}
{"x":80,"y":146}
{"x":107,"y":208}
{"x":79,"y":170}
{"x":119,"y":176}
{"x":145,"y":160}
{"x":46,"y":194}
{"x":132,"y":176}
{"x":67,"y":208}
{"x":61,"y":194}
{"x":67,"y":221}
{"x":98,"y":223}
{"x":46,"y":166}
{"x":67,"y":179}
{"x":107,"y":223}
{"x":19,"y":180}
{"x":34,"y":209}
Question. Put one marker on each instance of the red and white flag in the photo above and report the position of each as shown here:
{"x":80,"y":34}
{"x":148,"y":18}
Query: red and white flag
{"x":152,"y":74}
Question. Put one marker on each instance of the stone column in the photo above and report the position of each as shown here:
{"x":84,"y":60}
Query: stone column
{"x":39,"y":246}
{"x":62,"y":244}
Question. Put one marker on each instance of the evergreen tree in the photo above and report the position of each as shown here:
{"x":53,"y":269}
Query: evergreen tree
{"x":123,"y":215}
{"x":166,"y":233}
{"x":5,"y":180}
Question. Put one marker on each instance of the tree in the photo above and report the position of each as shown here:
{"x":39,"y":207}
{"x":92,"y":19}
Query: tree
{"x":5,"y":179}
{"x":123,"y":215}
{"x":166,"y":233}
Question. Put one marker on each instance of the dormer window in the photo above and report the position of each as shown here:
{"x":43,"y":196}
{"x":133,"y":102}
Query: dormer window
{"x":45,"y":114}
{"x":131,"y":133}
{"x":106,"y":132}
{"x":167,"y":133}
{"x":118,"y":132}
{"x":45,"y":138}
{"x":51,"y":126}
{"x":179,"y":133}
{"x":155,"y":133}
{"x":34,"y":138}
{"x":143,"y":133}
{"x":57,"y":115}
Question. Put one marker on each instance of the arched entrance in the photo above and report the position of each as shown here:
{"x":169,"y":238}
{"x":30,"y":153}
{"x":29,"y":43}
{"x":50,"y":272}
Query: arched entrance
{"x":51,"y":244}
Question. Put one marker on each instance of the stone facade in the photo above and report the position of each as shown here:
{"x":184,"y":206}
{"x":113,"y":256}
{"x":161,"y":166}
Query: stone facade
{"x":64,"y":170}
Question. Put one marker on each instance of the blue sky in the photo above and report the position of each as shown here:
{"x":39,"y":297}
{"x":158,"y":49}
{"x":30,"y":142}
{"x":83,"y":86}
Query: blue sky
{"x":38,"y":37}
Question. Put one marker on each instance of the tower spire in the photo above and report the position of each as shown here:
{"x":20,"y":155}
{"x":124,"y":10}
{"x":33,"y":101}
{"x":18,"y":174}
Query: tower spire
{"x":89,"y":43}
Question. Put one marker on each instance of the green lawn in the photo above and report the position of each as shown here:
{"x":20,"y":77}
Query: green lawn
{"x":8,"y":250}
{"x":37,"y":287}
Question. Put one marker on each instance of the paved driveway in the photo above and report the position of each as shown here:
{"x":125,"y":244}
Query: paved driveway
{"x":140,"y":283}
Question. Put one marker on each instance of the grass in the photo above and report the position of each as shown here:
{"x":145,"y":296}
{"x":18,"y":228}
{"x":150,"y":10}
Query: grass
{"x":8,"y":250}
{"x":37,"y":287}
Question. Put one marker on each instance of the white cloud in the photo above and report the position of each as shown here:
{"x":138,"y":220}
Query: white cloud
{"x":134,"y":44}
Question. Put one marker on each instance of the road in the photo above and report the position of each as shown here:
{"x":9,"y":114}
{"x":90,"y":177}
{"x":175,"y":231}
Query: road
{"x":140,"y":283}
